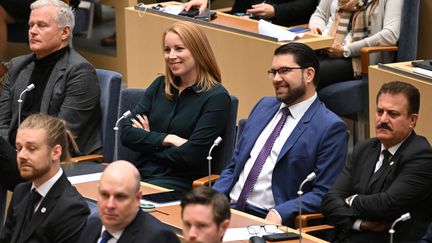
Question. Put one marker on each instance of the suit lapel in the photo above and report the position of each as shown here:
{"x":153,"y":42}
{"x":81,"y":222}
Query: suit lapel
{"x":20,"y":87}
{"x":255,"y":128}
{"x":21,"y":212}
{"x":129,"y":235}
{"x":302,"y":125}
{"x":56,"y":74}
{"x":46,"y":206}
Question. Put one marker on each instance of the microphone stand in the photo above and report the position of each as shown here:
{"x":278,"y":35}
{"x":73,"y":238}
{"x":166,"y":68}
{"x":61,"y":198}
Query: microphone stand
{"x":403,"y":217}
{"x":124,"y":116}
{"x":28,"y":88}
{"x":217,"y":141}
{"x":310,"y":177}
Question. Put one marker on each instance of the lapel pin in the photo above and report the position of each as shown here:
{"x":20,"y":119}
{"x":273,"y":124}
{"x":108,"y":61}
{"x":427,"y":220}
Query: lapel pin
{"x":391,"y":163}
{"x":43,"y":210}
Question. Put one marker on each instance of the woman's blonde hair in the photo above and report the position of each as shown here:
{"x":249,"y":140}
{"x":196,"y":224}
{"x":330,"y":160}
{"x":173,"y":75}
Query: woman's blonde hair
{"x":56,"y":130}
{"x":197,"y":43}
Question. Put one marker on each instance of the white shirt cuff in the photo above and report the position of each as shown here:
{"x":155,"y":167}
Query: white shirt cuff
{"x":276,"y":212}
{"x":356,"y":225}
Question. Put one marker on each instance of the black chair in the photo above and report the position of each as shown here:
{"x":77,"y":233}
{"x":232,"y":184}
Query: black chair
{"x":349,"y":99}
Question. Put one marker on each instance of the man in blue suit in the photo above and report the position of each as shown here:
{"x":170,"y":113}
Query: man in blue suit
{"x":289,"y":136}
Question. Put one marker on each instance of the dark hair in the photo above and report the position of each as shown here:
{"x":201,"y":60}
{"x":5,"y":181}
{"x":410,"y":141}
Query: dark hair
{"x":304,"y":56}
{"x":409,"y":91}
{"x":207,"y":196}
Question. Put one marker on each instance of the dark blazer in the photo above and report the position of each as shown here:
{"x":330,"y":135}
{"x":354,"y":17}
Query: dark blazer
{"x":317,"y":144}
{"x":71,"y":93}
{"x":60,"y":217}
{"x":427,"y":238}
{"x":405,"y":186}
{"x":287,"y":12}
{"x":144,"y":228}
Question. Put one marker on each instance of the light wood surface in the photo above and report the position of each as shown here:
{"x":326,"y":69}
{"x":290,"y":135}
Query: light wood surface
{"x":243,"y":59}
{"x":171,"y":215}
{"x":378,"y":76}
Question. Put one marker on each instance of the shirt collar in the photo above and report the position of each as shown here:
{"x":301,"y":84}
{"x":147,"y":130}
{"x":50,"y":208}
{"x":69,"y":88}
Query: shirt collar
{"x":46,"y":186}
{"x":115,"y":235}
{"x":298,"y":110}
{"x":393,"y":148}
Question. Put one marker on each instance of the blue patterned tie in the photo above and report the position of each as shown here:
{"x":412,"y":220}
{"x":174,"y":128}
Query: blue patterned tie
{"x":260,"y":160}
{"x":106,"y":236}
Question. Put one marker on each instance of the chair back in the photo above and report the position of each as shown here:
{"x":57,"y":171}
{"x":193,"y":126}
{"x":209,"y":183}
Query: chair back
{"x":17,"y":32}
{"x":223,"y":153}
{"x":129,"y":98}
{"x":110,"y":83}
{"x":409,"y":31}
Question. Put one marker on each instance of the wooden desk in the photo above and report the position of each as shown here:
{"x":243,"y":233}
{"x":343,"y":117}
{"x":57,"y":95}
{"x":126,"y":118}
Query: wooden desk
{"x":171,"y":214}
{"x":403,"y":71}
{"x":243,"y":57}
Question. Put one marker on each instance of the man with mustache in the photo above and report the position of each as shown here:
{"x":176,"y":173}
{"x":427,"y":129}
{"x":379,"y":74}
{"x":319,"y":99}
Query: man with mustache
{"x":387,"y":176}
{"x":286,"y":138}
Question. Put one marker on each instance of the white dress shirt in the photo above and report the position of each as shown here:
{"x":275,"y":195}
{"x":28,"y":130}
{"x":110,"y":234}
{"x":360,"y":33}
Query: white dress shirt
{"x":115,"y":235}
{"x":46,"y":187}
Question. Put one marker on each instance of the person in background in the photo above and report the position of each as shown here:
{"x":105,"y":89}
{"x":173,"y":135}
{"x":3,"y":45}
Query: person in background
{"x":387,"y":176}
{"x":354,"y":24}
{"x":47,"y":208}
{"x":280,"y":12}
{"x":121,"y":219}
{"x":181,"y":113}
{"x":205,"y":214}
{"x":66,"y":86}
{"x":285,"y":139}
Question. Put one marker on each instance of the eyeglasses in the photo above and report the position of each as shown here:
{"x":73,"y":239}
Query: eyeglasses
{"x":268,"y":228}
{"x":281,"y":71}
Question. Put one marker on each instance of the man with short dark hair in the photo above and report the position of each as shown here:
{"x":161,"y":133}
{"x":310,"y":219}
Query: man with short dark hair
{"x":66,"y":85}
{"x":286,"y":138}
{"x":205,"y":214}
{"x":121,"y":219}
{"x":387,"y":176}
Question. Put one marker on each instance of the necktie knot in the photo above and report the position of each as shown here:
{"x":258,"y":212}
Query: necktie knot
{"x":387,"y":156}
{"x":106,"y":236}
{"x":35,"y":197}
{"x":285,"y":112}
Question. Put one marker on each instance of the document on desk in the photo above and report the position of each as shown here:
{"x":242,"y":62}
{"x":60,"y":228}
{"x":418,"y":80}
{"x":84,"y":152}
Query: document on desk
{"x":423,"y":71}
{"x":234,"y":234}
{"x":269,"y":29}
{"x":84,"y":178}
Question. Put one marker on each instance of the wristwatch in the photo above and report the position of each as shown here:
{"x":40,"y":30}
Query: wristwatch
{"x":346,"y":52}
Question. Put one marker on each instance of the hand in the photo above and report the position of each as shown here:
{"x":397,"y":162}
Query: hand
{"x":336,"y":51}
{"x":316,"y":31}
{"x":374,"y":226}
{"x":142,"y":122}
{"x":201,"y":4}
{"x":273,"y":217}
{"x":263,"y":10}
{"x":173,"y":140}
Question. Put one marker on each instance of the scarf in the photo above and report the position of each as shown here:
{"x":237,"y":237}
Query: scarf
{"x":352,"y":15}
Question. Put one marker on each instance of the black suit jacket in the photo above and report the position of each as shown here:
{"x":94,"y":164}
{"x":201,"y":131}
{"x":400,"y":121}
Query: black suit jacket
{"x":60,"y":217}
{"x":404,"y":187}
{"x":287,"y":12}
{"x":143,"y":229}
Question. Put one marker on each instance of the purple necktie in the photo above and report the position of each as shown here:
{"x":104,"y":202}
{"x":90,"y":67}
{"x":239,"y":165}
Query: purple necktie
{"x":260,"y":160}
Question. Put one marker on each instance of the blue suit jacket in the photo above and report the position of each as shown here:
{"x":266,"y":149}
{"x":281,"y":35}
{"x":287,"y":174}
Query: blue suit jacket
{"x":317,"y":144}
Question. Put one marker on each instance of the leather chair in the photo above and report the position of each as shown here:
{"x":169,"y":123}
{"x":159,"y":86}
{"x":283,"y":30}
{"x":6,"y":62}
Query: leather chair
{"x":110,"y":83}
{"x":349,"y":99}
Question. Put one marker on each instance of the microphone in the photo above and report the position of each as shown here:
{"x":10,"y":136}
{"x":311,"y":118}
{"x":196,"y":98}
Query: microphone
{"x":403,"y":217}
{"x":310,"y":177}
{"x":124,"y":116}
{"x":216,"y":142}
{"x":28,"y":88}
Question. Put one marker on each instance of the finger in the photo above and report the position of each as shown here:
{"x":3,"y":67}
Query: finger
{"x":202,"y":9}
{"x":136,"y":123}
{"x":141,"y":119}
